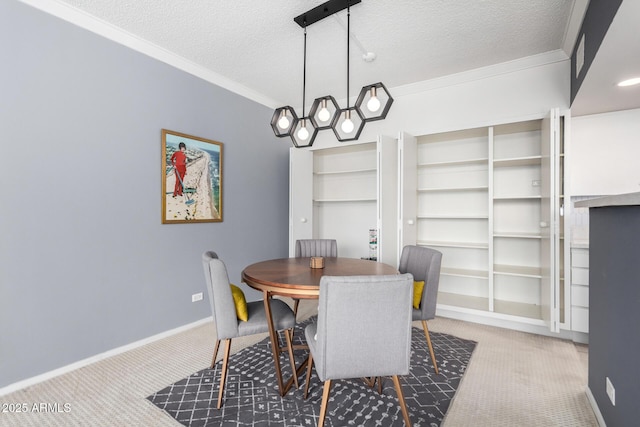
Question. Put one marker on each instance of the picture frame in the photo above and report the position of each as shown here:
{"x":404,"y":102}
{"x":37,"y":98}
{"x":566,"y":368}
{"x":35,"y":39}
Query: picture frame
{"x":191,"y":178}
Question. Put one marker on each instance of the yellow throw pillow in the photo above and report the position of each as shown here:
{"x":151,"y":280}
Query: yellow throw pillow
{"x":240,"y":302}
{"x":417,"y":293}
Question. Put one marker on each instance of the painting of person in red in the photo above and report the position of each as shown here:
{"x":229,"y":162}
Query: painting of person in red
{"x":179,"y":162}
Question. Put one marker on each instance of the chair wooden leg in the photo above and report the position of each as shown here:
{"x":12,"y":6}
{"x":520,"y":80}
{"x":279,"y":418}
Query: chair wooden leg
{"x":403,"y":405}
{"x":325,"y":401}
{"x":433,"y":356}
{"x":308,"y":378}
{"x":371,"y":382}
{"x":288,"y":334}
{"x":223,"y":376}
{"x":296,"y":302}
{"x":215,"y":354}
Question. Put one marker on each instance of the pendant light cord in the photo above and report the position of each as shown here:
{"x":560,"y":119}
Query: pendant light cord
{"x":304,"y":73}
{"x":348,"y":33}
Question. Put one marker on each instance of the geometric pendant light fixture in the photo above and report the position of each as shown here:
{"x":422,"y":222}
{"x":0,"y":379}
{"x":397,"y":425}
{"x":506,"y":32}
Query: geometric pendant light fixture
{"x":373,"y":102}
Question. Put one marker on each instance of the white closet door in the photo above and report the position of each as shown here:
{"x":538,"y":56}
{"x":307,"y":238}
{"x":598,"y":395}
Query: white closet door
{"x":300,"y":196}
{"x":549,"y":221}
{"x":408,"y":190}
{"x":387,"y":172}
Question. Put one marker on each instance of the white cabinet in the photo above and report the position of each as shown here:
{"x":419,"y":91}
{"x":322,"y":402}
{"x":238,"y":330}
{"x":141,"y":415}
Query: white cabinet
{"x":341,"y":193}
{"x":580,"y":289}
{"x":490,"y":200}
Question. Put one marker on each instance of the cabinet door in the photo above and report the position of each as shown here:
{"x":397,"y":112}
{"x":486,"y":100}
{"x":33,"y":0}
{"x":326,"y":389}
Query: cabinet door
{"x":387,"y":172}
{"x":549,"y":221}
{"x":300,"y":196}
{"x":407,"y":211}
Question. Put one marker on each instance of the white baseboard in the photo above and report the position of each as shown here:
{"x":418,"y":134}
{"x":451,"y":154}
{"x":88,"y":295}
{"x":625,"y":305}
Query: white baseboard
{"x":98,"y":357}
{"x":532,"y":326}
{"x":594,"y":406}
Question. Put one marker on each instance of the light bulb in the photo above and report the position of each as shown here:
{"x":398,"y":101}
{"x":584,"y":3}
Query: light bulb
{"x":374,"y":104}
{"x":303,"y":133}
{"x":324,"y":115}
{"x":347,"y":126}
{"x":283,"y":122}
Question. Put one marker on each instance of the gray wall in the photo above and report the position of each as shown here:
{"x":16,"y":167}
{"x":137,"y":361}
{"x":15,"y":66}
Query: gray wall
{"x":614,"y":311}
{"x":596,"y":22}
{"x":85,"y":264}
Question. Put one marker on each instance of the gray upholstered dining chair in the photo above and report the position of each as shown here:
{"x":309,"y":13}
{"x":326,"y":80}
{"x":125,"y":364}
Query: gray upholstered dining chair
{"x":363,"y":329}
{"x":424,"y":264}
{"x":227,"y":324}
{"x":314,"y":247}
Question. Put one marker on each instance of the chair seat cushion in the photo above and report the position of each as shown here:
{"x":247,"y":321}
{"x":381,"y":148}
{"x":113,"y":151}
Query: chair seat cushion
{"x":257,"y":321}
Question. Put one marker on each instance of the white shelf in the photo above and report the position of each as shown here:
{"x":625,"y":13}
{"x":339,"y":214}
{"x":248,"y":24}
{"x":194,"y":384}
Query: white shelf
{"x":461,"y":272}
{"x":518,"y":161}
{"x":444,"y":189}
{"x":516,"y":197}
{"x":453,"y":216}
{"x":467,"y":245}
{"x":344,"y":200}
{"x":514,"y":270}
{"x":516,"y":235}
{"x":464,"y":301}
{"x":344,"y":172}
{"x":518,"y":309}
{"x":455,"y":163}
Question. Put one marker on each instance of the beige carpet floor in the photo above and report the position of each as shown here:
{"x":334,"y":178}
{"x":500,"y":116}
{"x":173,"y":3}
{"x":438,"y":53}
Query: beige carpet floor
{"x":514,"y":379}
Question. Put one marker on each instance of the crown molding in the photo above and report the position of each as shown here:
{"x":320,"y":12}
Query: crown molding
{"x":482,"y":73}
{"x":111,"y":32}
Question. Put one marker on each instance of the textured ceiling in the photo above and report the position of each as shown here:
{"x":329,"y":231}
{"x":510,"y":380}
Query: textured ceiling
{"x":257,"y":44}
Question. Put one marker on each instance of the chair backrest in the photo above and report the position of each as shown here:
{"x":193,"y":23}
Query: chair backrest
{"x":220,"y":298}
{"x":364,"y":326}
{"x":424,"y":264}
{"x":316,"y":247}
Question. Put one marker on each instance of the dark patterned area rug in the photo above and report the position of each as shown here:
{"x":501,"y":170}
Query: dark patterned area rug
{"x":251,"y":397}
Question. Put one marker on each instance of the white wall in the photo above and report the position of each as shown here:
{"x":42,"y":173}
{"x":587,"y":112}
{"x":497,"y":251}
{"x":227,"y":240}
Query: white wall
{"x":605,"y":153}
{"x":519,"y":90}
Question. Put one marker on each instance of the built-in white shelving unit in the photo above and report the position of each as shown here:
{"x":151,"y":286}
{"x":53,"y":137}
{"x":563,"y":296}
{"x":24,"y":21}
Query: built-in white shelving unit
{"x":345,"y":195}
{"x":490,"y":199}
{"x":487,"y":198}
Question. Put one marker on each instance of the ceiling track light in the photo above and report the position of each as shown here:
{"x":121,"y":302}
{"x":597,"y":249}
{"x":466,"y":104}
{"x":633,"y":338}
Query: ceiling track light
{"x":372,"y":104}
{"x":629,"y":82}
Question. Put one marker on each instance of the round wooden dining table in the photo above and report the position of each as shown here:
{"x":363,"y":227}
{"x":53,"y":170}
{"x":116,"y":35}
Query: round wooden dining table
{"x":294,"y":278}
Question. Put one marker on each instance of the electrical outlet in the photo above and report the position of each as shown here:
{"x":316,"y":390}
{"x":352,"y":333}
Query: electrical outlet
{"x":611,"y":392}
{"x":196,"y":297}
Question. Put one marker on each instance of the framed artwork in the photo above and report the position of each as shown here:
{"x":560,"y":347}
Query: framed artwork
{"x":191,"y":179}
